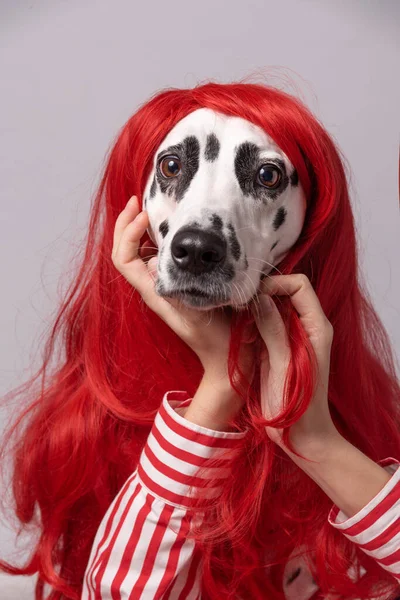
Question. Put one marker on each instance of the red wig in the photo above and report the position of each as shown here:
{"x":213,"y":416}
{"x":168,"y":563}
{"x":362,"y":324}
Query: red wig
{"x":89,"y":415}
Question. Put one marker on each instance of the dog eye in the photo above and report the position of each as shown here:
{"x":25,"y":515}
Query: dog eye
{"x":170,"y":166}
{"x":269,"y":176}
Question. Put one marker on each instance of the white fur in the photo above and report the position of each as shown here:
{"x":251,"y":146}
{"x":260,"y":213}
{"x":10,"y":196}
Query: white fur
{"x":215,"y":189}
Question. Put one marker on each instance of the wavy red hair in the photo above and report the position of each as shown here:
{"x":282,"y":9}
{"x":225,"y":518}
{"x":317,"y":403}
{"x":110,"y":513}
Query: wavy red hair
{"x":87,"y":417}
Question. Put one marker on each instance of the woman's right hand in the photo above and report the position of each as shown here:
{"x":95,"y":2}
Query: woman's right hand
{"x":207,"y":333}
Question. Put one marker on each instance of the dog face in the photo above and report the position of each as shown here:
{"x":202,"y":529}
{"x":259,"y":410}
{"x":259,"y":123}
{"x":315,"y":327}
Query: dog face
{"x":225,"y":206}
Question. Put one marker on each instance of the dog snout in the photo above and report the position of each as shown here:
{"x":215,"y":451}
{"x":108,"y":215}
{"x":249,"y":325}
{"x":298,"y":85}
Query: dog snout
{"x":197,"y":251}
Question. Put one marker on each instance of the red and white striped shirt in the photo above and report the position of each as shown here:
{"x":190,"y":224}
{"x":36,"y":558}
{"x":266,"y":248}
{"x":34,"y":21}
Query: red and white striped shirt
{"x":141,"y":551}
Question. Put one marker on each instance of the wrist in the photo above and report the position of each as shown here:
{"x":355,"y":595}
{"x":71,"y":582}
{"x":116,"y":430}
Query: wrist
{"x":317,"y":447}
{"x":315,"y":434}
{"x":350,"y":478}
{"x":215,"y":403}
{"x":215,"y":368}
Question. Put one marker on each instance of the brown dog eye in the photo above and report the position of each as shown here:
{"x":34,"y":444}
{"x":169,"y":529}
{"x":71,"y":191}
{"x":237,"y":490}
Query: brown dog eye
{"x":170,"y":166}
{"x":269,"y":176}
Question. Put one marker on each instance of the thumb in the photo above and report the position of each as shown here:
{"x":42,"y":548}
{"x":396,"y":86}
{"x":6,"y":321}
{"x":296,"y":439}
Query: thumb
{"x":272,"y":329}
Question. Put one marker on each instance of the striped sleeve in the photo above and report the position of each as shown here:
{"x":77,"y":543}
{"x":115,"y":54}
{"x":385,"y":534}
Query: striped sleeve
{"x":376,"y":527}
{"x":141,"y":548}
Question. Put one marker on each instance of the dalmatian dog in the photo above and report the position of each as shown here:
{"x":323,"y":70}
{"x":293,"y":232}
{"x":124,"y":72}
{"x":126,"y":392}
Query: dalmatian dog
{"x":225,"y":205}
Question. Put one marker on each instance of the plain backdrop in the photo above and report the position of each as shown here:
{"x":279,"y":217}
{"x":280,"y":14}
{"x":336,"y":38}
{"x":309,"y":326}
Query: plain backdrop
{"x":73,"y":71}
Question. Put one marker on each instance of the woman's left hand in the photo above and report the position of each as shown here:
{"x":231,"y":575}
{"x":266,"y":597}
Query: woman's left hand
{"x":316,"y":423}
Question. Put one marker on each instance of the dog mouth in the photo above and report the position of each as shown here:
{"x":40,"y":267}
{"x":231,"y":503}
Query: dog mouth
{"x":193,"y":292}
{"x":195,"y":297}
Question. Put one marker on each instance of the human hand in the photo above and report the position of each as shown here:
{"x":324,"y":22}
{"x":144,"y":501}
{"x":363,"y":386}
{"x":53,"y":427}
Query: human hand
{"x":316,"y":422}
{"x":207,"y":333}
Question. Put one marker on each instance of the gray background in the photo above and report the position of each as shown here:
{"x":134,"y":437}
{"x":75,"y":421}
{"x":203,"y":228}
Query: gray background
{"x":72,"y":72}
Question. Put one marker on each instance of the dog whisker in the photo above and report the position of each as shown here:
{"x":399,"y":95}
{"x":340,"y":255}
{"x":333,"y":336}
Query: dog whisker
{"x":252,"y":282}
{"x":266,"y":262}
{"x":243,"y":228}
{"x":147,"y":258}
{"x":269,"y":276}
{"x":242,"y":298}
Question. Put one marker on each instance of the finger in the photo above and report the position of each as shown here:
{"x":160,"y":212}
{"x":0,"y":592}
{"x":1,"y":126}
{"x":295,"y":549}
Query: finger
{"x":127,"y":215}
{"x":129,"y":263}
{"x":303,"y":297}
{"x":128,"y":247}
{"x":272,"y":330}
{"x":301,"y":293}
{"x":142,"y":276}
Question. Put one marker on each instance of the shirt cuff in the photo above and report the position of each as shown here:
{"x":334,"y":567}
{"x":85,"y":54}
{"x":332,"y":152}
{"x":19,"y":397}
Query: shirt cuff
{"x":383,"y":501}
{"x":175,"y":450}
{"x":376,"y":527}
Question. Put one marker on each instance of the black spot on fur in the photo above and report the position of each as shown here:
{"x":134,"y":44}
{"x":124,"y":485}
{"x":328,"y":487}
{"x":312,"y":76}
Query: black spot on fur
{"x":273,"y":245}
{"x":279,"y":217}
{"x":246,"y":262}
{"x":247,"y":163}
{"x":188,"y":152}
{"x":145,"y":202}
{"x":294,"y":178}
{"x":228,"y":272}
{"x":212,"y":147}
{"x":234,"y":242}
{"x":216,"y":221}
{"x":164,"y":228}
{"x":153,"y":188}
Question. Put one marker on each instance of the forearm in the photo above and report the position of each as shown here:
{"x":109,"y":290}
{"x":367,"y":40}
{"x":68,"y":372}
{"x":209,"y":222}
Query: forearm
{"x":346,"y":475}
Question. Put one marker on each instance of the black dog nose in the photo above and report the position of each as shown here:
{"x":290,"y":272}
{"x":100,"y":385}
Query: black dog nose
{"x":197,"y":251}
